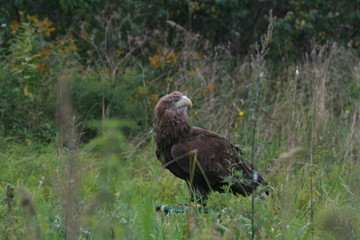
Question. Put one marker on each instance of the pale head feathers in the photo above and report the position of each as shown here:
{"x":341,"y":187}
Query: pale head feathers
{"x":172,"y":102}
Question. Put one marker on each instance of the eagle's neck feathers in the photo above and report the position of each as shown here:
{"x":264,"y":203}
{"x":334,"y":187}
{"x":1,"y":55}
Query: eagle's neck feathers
{"x":173,"y":126}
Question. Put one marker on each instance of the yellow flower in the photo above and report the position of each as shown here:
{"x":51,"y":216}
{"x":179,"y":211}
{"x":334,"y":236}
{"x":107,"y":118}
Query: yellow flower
{"x":42,"y":67}
{"x":73,"y":47}
{"x":45,"y":26}
{"x":141,"y":90}
{"x":239,"y":119}
{"x":156,"y":61}
{"x":169,"y":79}
{"x":49,"y":31}
{"x":33,"y":18}
{"x":171,"y":57}
{"x":26,"y":91}
{"x":155,"y":99}
{"x":46,"y":22}
{"x":14,"y":27}
{"x":241,"y":113}
{"x":45,"y":52}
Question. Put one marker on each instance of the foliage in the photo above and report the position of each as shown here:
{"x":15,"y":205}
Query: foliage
{"x":125,"y":56}
{"x":120,"y":186}
{"x":239,"y":23}
{"x":121,"y":58}
{"x":29,"y":79}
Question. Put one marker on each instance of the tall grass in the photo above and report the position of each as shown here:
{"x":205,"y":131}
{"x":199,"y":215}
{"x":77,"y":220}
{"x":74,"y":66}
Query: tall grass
{"x":307,"y":148}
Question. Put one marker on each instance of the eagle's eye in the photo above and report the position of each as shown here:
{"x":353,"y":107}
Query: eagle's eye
{"x":174,"y":100}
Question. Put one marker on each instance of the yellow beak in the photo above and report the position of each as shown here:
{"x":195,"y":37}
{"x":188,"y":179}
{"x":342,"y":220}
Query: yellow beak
{"x":184,"y":101}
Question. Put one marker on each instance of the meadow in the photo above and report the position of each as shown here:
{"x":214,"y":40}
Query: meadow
{"x":300,"y":120}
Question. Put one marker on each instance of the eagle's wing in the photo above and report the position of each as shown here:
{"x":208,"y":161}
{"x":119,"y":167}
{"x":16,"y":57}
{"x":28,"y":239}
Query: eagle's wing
{"x":214,"y":156}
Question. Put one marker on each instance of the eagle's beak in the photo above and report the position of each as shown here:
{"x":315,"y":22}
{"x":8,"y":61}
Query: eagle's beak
{"x":184,"y":101}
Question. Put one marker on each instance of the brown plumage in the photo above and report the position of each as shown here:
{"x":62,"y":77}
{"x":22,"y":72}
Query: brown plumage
{"x":206,"y":160}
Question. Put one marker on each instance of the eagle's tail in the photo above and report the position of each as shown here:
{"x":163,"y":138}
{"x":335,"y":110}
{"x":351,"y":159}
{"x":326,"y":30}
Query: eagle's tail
{"x":250,"y":181}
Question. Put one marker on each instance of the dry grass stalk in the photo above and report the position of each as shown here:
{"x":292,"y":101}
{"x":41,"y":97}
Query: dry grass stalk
{"x":33,"y":230}
{"x":69,"y":147}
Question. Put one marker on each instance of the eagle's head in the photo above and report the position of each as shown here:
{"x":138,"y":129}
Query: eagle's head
{"x":173,"y":103}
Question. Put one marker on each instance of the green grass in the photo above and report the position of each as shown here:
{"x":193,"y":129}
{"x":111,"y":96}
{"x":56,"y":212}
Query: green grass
{"x":118,"y":191}
{"x":307,"y":148}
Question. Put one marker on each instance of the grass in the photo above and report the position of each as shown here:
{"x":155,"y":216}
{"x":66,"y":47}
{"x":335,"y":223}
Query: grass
{"x":119,"y":189}
{"x":307,"y":148}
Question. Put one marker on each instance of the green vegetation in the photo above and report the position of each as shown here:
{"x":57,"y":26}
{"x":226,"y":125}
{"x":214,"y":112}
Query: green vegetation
{"x":78,"y":84}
